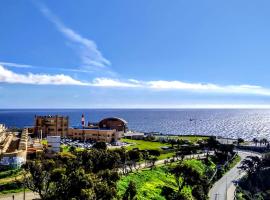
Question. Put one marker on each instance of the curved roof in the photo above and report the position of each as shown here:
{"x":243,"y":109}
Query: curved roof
{"x":114,"y":118}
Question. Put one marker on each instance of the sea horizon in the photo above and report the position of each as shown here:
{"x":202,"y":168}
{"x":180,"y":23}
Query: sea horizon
{"x":233,"y":123}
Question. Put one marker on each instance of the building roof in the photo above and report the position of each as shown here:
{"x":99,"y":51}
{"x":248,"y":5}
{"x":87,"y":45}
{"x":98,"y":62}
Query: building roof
{"x":134,"y":134}
{"x":115,"y":118}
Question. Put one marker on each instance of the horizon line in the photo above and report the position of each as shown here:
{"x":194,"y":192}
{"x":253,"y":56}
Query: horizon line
{"x":206,"y":106}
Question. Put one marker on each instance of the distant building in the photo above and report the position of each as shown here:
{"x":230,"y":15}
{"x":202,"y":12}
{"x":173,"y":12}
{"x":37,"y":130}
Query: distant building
{"x":134,"y":135}
{"x":107,"y":130}
{"x":51,"y":126}
{"x":2,"y":133}
{"x":54,"y":143}
{"x":98,"y":135}
{"x":113,"y":123}
{"x":14,"y":150}
{"x":2,"y":128}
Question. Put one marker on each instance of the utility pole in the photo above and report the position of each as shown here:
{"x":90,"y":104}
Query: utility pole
{"x":216,"y":196}
{"x":226,"y":189}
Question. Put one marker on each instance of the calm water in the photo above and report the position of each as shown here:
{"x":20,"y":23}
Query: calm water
{"x":232,"y":123}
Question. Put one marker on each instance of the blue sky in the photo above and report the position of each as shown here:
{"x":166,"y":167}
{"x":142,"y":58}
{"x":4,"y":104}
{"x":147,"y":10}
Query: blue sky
{"x":137,"y":53}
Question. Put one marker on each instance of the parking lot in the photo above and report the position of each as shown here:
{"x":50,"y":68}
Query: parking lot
{"x":88,"y":144}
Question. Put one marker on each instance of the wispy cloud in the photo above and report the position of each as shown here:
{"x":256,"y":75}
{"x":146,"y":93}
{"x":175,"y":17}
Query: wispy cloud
{"x":162,"y":85}
{"x":8,"y":76}
{"x":19,"y":65}
{"x":11,"y":64}
{"x":87,"y":49}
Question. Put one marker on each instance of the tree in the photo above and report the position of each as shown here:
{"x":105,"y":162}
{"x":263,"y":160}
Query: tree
{"x":240,"y":140}
{"x":153,"y":160}
{"x":85,"y":175}
{"x":255,"y":141}
{"x":172,"y":142}
{"x":100,"y":145}
{"x":186,"y":175}
{"x":39,"y":179}
{"x":154,"y":152}
{"x":180,"y":154}
{"x":72,"y":149}
{"x":131,"y":191}
{"x":251,"y":165}
{"x":212,"y":143}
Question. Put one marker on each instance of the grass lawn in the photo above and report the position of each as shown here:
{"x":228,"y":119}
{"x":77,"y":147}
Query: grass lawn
{"x":143,"y":145}
{"x":44,"y":141}
{"x":65,"y":148}
{"x":8,"y":183}
{"x":12,"y":191}
{"x":191,"y":138}
{"x":166,"y":155}
{"x":148,"y":183}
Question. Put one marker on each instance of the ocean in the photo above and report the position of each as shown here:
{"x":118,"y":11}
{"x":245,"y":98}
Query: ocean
{"x":233,"y":123}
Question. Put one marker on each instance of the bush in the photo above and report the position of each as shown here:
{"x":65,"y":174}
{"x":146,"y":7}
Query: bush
{"x":11,"y":186}
{"x":8,"y":173}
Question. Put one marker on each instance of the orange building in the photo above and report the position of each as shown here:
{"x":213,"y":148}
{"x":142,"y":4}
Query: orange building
{"x":51,"y":125}
{"x":98,"y":135}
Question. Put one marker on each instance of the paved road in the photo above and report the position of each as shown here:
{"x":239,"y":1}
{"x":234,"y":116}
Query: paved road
{"x":19,"y":196}
{"x":224,"y":188}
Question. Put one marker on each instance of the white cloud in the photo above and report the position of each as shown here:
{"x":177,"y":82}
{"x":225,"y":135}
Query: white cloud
{"x":107,"y":82}
{"x":89,"y":54}
{"x":208,"y":87}
{"x":19,"y":65}
{"x":10,"y":64}
{"x":7,"y":76}
{"x":182,"y":86}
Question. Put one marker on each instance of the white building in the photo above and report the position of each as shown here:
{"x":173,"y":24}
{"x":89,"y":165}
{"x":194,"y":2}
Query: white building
{"x":54,"y":143}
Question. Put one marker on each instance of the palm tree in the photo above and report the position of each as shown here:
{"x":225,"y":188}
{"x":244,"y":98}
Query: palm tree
{"x":255,"y":141}
{"x":264,"y":141}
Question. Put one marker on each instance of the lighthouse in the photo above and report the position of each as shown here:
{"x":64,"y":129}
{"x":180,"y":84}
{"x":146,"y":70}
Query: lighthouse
{"x":83,"y":121}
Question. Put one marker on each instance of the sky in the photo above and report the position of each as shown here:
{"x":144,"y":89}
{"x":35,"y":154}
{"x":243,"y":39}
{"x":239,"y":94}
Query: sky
{"x":134,"y":54}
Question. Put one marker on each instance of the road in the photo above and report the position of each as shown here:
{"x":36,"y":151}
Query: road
{"x":224,"y":188}
{"x":19,"y":196}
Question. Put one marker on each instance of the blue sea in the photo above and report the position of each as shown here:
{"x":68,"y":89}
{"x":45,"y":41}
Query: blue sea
{"x":234,"y":123}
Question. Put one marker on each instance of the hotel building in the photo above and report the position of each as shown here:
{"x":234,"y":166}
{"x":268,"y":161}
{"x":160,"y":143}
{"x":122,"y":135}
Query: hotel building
{"x":51,"y":126}
{"x":107,"y":130}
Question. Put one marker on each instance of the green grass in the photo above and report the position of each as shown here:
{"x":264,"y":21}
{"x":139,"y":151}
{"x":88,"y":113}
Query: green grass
{"x":65,"y":148}
{"x":12,"y":191}
{"x":44,"y":141}
{"x":148,"y":183}
{"x":149,"y":145}
{"x":9,"y":173}
{"x":234,"y":162}
{"x":190,"y":138}
{"x":166,"y":155}
{"x":196,"y":165}
{"x":143,"y":145}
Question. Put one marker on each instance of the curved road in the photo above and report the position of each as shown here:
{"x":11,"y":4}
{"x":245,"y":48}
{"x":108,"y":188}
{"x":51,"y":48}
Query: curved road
{"x":224,"y":188}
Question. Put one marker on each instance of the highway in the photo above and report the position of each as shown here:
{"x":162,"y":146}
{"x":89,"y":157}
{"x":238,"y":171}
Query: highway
{"x":224,"y":188}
